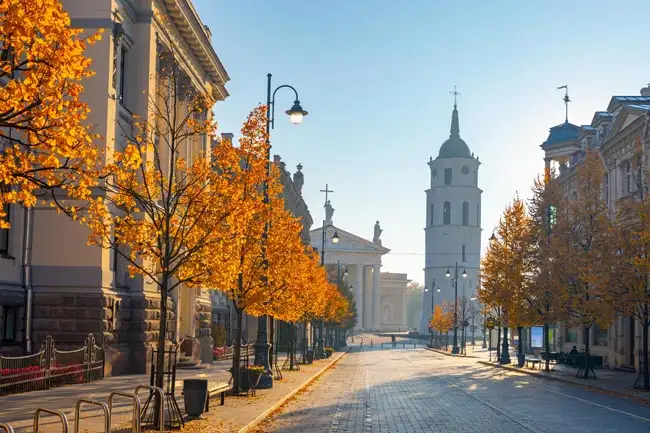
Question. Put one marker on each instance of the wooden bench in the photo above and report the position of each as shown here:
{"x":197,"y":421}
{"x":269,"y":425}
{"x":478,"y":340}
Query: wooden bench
{"x":214,"y":389}
{"x":533,"y":360}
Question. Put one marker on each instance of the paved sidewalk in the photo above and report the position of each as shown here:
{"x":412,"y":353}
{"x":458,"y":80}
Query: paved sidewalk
{"x":18,"y":410}
{"x":608,"y":381}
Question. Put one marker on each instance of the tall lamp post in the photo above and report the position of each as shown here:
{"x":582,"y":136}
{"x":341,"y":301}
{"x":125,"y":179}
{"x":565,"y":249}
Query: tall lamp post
{"x":455,"y":349}
{"x":320,"y":347}
{"x":473,"y":300}
{"x":433,"y":293}
{"x":296,"y":114}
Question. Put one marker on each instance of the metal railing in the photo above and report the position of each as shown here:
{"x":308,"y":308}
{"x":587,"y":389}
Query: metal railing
{"x":161,"y":396}
{"x":226,"y":352}
{"x":101,"y":404}
{"x":137,"y":407}
{"x":56,"y":413}
{"x":51,"y":367}
{"x":7,"y":428}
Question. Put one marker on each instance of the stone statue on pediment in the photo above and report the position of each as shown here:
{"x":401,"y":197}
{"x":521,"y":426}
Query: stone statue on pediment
{"x":378,"y":231}
{"x":298,"y":178}
{"x":329,"y":211}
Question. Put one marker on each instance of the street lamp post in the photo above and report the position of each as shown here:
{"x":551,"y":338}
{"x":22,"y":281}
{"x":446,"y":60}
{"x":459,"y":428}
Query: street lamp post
{"x":472,"y":300}
{"x":320,"y":347}
{"x":296,"y":114}
{"x":433,"y":293}
{"x":455,"y":349}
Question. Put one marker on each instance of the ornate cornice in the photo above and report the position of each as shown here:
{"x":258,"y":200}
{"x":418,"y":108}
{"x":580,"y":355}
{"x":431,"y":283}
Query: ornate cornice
{"x":197,"y":37}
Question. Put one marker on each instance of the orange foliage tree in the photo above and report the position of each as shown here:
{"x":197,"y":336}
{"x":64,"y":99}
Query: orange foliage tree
{"x":504,"y":270}
{"x":586,"y":253}
{"x":630,"y":292}
{"x":160,"y":210}
{"x":442,"y":318}
{"x":45,"y":143}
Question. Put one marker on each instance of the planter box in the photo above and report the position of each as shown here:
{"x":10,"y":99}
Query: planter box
{"x":195,"y":395}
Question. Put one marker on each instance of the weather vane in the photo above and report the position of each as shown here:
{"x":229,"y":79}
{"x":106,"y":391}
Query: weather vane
{"x":566,"y":102}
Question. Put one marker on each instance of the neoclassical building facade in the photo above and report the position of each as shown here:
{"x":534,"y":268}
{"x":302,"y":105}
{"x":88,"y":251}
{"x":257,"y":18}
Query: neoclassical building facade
{"x":77,"y":289}
{"x":612,"y":133}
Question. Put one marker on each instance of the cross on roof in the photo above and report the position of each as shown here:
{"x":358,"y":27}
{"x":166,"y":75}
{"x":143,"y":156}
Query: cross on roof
{"x":455,"y":93}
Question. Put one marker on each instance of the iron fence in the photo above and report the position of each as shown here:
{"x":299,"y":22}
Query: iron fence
{"x":51,"y":367}
{"x":226,"y":352}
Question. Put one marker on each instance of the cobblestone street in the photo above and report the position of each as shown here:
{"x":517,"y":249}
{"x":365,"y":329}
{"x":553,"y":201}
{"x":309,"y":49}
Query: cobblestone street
{"x":414,"y":390}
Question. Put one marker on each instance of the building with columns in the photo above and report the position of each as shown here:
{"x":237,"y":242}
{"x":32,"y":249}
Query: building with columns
{"x":379,"y":297}
{"x":77,"y":289}
{"x":612,"y":133}
{"x":453,"y":224}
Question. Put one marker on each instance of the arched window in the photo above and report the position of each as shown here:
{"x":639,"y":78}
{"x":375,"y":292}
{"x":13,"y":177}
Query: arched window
{"x":446,"y":213}
{"x":431,"y":215}
{"x":465,"y":213}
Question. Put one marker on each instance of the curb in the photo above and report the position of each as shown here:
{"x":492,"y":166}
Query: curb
{"x":645,"y":401}
{"x":247,"y":428}
{"x":442,"y":352}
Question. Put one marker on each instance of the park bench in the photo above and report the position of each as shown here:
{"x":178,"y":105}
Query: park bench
{"x":217,"y":388}
{"x":533,"y":360}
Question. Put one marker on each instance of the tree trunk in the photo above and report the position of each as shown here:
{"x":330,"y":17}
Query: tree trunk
{"x":646,"y":370}
{"x":236,"y":354}
{"x":520,"y":346}
{"x":162,"y":339}
{"x":586,"y":339}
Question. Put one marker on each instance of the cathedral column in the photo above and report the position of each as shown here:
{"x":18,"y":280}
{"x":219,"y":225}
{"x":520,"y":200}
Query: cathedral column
{"x":376,"y":297}
{"x":367,"y":297}
{"x":358,"y":289}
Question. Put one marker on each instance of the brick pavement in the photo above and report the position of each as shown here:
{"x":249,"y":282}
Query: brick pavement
{"x":406,"y":390}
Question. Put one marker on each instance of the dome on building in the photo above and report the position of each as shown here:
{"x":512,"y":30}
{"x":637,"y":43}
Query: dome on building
{"x":561,"y":134}
{"x":454,"y":147}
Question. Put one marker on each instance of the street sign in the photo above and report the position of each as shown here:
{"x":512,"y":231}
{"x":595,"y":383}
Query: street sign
{"x":465,"y":324}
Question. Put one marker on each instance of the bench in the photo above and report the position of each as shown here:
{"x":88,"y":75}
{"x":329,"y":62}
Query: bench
{"x":214,"y":389}
{"x":533,"y":360}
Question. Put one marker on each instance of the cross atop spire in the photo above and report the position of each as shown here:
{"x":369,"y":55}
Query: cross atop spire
{"x":456,"y":94}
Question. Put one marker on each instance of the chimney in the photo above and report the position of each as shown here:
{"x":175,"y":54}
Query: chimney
{"x":645,"y":91}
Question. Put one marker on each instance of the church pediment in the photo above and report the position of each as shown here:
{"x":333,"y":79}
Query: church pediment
{"x":348,"y":242}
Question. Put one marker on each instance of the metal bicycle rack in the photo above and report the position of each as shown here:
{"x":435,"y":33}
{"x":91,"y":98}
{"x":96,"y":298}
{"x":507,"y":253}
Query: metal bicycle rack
{"x":137,"y":407}
{"x":161,"y":395}
{"x":77,"y":414}
{"x":57,"y":413}
{"x":7,"y":428}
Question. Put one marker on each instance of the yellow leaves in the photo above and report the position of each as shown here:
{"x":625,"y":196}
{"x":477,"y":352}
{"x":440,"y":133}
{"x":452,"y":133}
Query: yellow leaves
{"x":42,"y":64}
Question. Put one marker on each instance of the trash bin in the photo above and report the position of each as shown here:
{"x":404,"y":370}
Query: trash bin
{"x":310,"y":356}
{"x":195,"y":395}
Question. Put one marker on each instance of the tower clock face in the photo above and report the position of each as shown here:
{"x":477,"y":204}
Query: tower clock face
{"x":465,"y":169}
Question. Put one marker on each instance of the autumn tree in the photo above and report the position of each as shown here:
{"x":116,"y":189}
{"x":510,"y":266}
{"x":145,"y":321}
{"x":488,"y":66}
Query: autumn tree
{"x":164,"y":204}
{"x":504,"y":269}
{"x":543,"y":256}
{"x":45,"y":144}
{"x":442,"y":318}
{"x":630,"y":292}
{"x":585,"y":250}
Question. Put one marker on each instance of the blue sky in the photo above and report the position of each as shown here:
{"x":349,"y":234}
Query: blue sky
{"x":375,"y":76}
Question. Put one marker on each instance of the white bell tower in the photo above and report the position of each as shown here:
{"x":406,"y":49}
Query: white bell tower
{"x":453,"y":224}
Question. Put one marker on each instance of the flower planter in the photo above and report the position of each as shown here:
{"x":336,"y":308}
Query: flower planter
{"x":249,"y":380}
{"x":195,"y":395}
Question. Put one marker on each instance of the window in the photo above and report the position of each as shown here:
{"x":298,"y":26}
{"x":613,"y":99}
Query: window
{"x":5,"y":234}
{"x":628,"y":177}
{"x":431,"y":215}
{"x":123,"y":55}
{"x":465,"y":213}
{"x":606,"y":192}
{"x":434,"y":173}
{"x":571,"y":335}
{"x":601,"y":335}
{"x":447,"y":176}
{"x":9,"y":324}
{"x":464,"y":247}
{"x":446,"y":213}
